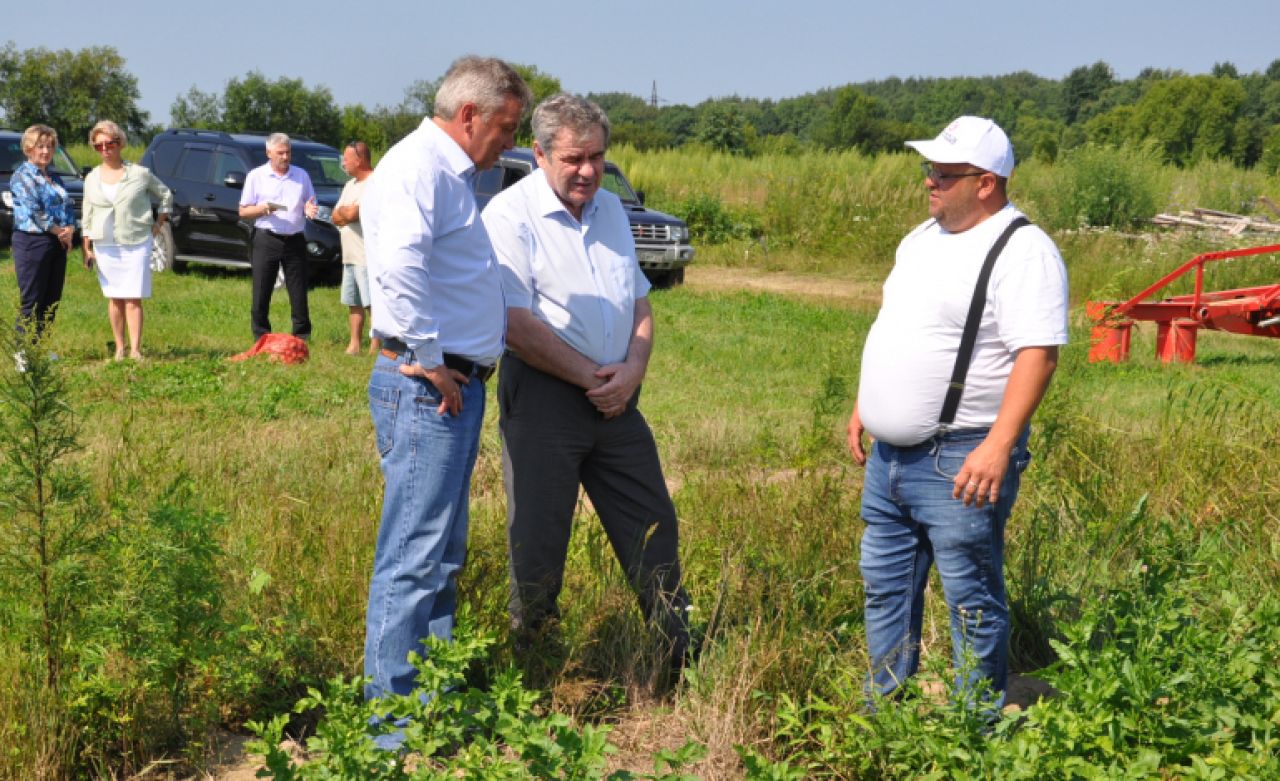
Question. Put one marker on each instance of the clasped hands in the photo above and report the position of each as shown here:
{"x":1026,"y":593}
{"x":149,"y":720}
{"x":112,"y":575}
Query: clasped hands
{"x":618,"y":383}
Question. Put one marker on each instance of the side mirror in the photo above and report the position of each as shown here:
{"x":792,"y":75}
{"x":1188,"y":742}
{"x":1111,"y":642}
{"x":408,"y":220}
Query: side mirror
{"x":84,"y":170}
{"x":640,"y":195}
{"x":234,"y":179}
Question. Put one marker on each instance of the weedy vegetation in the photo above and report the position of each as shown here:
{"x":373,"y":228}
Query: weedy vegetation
{"x":187,"y":541}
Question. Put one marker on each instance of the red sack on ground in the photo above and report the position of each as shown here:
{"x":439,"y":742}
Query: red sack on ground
{"x":284,"y":348}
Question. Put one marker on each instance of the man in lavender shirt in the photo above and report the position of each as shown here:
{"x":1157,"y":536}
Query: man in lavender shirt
{"x":279,"y":198}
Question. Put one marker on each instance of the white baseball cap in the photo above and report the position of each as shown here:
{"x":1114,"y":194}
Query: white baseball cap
{"x":973,"y":140}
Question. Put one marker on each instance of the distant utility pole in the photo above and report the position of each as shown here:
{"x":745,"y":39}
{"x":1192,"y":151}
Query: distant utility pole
{"x":653,"y":97}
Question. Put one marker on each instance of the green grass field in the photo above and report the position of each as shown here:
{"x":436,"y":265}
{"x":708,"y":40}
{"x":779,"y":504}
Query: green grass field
{"x":236,"y":507}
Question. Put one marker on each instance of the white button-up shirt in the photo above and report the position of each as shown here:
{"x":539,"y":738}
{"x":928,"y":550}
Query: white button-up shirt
{"x":580,"y":278}
{"x":291,"y":190}
{"x":433,"y":281}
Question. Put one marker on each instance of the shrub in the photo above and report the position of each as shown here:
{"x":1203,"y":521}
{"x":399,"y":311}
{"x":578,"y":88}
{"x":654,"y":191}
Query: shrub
{"x":1098,"y":185}
{"x":711,"y":222}
{"x":454,"y":730}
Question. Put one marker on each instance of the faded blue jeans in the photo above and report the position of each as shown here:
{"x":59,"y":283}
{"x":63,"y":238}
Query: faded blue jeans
{"x":427,"y":460}
{"x":913,"y":522}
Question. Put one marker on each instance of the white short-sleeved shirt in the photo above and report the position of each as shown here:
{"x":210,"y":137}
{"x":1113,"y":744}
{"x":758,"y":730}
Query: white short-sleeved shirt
{"x":291,"y":190}
{"x":911,"y":349}
{"x":433,"y":280}
{"x":580,"y":278}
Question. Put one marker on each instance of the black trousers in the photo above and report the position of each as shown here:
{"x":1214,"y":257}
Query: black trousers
{"x":270,"y":253}
{"x":40,"y":263}
{"x":553,"y":440}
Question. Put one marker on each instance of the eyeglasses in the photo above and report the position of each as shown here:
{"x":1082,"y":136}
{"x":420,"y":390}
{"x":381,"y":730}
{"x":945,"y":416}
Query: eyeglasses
{"x":105,"y":145}
{"x":933,"y":173}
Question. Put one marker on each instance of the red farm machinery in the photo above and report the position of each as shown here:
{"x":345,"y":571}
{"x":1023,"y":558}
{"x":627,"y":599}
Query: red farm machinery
{"x":1252,"y":311}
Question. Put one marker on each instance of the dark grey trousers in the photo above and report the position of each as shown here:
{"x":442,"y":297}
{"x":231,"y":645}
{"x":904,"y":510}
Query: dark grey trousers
{"x":554,"y":440}
{"x":270,"y":253}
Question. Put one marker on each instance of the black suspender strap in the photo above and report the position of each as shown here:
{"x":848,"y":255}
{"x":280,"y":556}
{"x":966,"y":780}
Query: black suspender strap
{"x":955,"y":389}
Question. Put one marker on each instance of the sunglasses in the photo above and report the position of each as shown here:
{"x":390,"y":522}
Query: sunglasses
{"x":933,"y":173}
{"x":105,"y":145}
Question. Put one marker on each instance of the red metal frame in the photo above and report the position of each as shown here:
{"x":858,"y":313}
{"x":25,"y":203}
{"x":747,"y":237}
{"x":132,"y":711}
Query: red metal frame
{"x":1239,"y":311}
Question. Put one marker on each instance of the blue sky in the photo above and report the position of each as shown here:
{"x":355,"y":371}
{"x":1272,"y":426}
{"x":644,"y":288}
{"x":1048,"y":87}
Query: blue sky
{"x":695,"y":49}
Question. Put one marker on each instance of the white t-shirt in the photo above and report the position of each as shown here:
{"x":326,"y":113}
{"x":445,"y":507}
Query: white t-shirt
{"x":352,"y":234}
{"x":911,"y":348}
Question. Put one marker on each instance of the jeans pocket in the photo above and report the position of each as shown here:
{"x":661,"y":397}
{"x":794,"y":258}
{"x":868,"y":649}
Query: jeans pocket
{"x":1021,"y":459}
{"x":950,"y":456}
{"x":383,"y":404}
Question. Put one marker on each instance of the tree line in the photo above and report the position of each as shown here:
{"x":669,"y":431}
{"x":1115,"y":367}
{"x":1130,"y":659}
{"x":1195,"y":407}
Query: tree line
{"x":1224,"y":114}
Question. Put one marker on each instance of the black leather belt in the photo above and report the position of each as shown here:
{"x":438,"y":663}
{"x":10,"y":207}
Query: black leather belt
{"x":282,"y":236}
{"x":394,"y":348}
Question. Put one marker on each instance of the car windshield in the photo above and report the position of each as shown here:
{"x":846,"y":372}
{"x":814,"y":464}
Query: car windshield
{"x":617,"y":184}
{"x":11,"y":157}
{"x":324,"y":166}
{"x":62,"y":165}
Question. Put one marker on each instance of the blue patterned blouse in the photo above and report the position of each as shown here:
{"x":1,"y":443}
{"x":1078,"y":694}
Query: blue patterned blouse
{"x":39,"y":202}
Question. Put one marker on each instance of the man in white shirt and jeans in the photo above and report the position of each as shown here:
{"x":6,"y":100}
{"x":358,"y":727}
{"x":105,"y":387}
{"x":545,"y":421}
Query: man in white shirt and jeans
{"x":940,"y":493}
{"x":579,"y":332}
{"x":437,"y":306}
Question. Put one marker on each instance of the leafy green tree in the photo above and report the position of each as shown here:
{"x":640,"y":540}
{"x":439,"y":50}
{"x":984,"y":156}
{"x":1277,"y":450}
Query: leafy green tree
{"x":68,"y":90}
{"x":722,"y":126}
{"x":1190,"y":117}
{"x":1270,"y":160}
{"x":1110,"y":129}
{"x":543,"y":86}
{"x":196,"y":109}
{"x":1037,"y":137}
{"x":285,"y":105}
{"x":1083,"y":88}
{"x":641,"y":135}
{"x":420,"y":97}
{"x":1225,"y":70}
{"x":854,"y":121}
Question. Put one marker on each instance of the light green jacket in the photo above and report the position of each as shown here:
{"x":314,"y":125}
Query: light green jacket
{"x":131,"y":207}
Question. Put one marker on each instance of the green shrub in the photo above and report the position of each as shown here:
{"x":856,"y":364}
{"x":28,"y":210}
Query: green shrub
{"x":453,"y":730}
{"x":711,"y":222}
{"x":1100,"y":185}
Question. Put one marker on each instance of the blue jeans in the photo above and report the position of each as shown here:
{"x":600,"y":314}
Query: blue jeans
{"x":426,"y":462}
{"x":913,"y":522}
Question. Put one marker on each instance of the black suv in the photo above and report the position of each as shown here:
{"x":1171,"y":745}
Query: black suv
{"x":662,"y":241}
{"x":12,"y":156}
{"x":206,"y":170}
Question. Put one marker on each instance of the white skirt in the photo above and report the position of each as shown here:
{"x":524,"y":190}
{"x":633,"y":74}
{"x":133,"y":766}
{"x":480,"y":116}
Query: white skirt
{"x":124,"y":271}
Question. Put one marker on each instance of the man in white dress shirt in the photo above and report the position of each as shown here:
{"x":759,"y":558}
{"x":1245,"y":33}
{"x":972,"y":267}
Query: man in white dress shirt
{"x":437,"y":306}
{"x":579,"y":331}
{"x":279,"y":198}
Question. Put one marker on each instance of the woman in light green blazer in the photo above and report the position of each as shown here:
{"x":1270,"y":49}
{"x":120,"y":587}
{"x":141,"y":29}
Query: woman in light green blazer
{"x":118,"y":231}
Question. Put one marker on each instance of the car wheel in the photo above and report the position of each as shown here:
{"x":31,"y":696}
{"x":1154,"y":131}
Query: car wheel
{"x":162,"y":254}
{"x":665,"y":280}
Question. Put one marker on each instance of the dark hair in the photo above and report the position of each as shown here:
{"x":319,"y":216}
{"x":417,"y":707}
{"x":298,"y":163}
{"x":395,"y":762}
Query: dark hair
{"x":362,"y":151}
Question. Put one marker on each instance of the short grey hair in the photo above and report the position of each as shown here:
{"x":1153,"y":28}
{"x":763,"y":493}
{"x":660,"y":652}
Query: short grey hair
{"x":484,"y":81}
{"x":278,"y":139}
{"x":567,"y":112}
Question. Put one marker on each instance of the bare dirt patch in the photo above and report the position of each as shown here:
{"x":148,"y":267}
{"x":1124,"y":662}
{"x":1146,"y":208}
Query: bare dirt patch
{"x":835,"y":291}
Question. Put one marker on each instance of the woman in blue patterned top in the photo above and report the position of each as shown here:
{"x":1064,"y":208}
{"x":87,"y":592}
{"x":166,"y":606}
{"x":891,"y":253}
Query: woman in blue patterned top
{"x":44,"y":220}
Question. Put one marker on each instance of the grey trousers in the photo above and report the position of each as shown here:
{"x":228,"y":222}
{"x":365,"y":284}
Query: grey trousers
{"x":554,"y":440}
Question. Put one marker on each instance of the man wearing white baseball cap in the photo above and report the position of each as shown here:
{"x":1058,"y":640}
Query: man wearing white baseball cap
{"x":953,"y":368}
